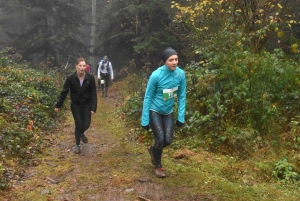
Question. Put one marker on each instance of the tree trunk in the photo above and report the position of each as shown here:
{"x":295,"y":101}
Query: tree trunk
{"x":93,"y":32}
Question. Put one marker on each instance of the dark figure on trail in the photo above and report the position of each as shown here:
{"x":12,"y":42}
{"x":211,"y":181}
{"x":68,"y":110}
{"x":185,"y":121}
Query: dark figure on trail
{"x":82,"y":87}
{"x":164,"y":85}
{"x":105,"y":74}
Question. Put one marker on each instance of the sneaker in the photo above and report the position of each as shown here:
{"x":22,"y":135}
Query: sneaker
{"x":151,"y":154}
{"x":77,"y":149}
{"x":160,"y":172}
{"x":84,"y":139}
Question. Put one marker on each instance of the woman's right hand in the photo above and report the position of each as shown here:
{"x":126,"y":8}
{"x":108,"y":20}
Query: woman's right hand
{"x":145,"y":127}
{"x":179,"y":124}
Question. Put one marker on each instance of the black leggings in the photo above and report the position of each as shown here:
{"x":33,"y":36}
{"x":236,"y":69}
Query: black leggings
{"x":82,"y":117}
{"x":163,"y":130}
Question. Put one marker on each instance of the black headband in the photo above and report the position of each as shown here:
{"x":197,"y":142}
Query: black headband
{"x":167,"y":53}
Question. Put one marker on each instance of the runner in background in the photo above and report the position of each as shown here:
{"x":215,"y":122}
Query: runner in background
{"x":105,"y":74}
{"x":88,"y":68}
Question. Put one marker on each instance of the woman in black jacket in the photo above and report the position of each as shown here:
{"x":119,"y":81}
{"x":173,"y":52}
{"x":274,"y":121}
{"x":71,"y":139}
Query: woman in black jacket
{"x":82,"y":87}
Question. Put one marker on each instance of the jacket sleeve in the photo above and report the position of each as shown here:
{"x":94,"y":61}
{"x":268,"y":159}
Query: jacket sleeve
{"x":64,"y":92}
{"x":93,"y":94}
{"x":99,"y":67}
{"x":182,"y":98}
{"x":111,"y":71}
{"x":149,"y":94}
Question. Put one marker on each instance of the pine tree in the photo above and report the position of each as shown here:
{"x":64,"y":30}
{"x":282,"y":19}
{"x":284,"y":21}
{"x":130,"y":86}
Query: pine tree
{"x":45,"y":30}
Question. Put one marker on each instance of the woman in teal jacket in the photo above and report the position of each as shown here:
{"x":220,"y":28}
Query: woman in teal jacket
{"x":165,"y":84}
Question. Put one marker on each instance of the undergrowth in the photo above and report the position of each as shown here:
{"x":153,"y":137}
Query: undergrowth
{"x":26,"y":113}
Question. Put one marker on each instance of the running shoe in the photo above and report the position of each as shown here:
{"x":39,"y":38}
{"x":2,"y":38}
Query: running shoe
{"x":160,"y":172}
{"x":84,"y":139}
{"x":77,"y":149}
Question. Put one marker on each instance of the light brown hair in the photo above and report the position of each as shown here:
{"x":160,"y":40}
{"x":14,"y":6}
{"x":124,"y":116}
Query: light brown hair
{"x":80,"y":60}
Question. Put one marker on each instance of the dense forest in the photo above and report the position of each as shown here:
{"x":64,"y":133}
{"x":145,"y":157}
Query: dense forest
{"x":59,"y":31}
{"x":241,"y":60}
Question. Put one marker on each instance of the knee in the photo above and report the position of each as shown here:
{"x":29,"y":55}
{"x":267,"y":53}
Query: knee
{"x":78,"y":124}
{"x":85,"y":126}
{"x":168,"y":142}
{"x":159,"y":144}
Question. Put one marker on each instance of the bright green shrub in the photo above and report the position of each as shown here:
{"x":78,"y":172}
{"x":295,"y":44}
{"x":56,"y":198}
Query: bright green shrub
{"x":284,"y":171}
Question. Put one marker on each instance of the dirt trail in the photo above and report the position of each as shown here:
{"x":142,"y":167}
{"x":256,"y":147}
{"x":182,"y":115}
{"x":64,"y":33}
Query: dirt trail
{"x":113,"y":166}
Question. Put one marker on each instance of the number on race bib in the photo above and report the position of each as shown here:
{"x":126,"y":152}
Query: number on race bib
{"x":170,"y":93}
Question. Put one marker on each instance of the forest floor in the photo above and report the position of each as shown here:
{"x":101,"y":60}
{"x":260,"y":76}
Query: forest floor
{"x":115,"y":166}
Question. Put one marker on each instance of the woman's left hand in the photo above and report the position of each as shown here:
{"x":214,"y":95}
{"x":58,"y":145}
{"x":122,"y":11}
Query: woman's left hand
{"x":179,"y":124}
{"x":92,"y":112}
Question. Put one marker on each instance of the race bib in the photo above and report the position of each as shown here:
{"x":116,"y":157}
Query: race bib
{"x":170,"y":93}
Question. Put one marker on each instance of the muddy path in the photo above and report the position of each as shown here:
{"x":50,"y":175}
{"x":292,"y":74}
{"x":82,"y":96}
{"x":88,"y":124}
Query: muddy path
{"x":112,"y":166}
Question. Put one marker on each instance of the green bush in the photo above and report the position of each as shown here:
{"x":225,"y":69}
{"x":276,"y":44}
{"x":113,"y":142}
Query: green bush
{"x":133,"y":108}
{"x":135,"y":82}
{"x":27,"y":100}
{"x":234,"y":88}
{"x":284,"y":171}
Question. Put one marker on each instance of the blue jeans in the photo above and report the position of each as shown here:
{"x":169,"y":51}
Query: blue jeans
{"x":82,"y":117}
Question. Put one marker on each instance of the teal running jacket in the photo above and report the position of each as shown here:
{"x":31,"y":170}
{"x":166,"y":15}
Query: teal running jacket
{"x":163,"y":86}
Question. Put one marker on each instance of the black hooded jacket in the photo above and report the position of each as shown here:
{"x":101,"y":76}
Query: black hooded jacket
{"x":80,"y":95}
